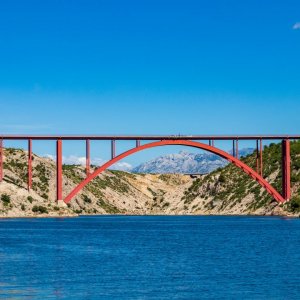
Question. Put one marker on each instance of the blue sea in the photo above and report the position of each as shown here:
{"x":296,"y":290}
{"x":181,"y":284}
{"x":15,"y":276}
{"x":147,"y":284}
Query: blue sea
{"x":150,"y":257}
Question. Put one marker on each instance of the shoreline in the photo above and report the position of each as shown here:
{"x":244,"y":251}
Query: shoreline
{"x":147,"y":215}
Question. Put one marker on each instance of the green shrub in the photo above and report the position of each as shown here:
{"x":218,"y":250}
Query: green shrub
{"x":222,"y":178}
{"x":40,"y":209}
{"x":294,"y":204}
{"x":5,"y":199}
{"x":23,"y":207}
{"x":86,"y":199}
{"x":45,"y":196}
{"x":30,"y":199}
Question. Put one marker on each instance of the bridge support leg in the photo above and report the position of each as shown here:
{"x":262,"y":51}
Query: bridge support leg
{"x":257,"y":157}
{"x":237,"y":149}
{"x":29,"y":164}
{"x":87,"y":157}
{"x":59,"y":196}
{"x":261,"y":158}
{"x":286,"y":170}
{"x":233,"y":148}
{"x":113,"y":149}
{"x":138,"y":143}
{"x":1,"y":160}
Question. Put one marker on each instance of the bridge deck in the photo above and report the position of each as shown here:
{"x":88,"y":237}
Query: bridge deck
{"x":149,"y":137}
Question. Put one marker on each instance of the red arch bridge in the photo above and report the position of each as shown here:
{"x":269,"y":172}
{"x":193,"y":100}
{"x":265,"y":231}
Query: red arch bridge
{"x":208,"y":143}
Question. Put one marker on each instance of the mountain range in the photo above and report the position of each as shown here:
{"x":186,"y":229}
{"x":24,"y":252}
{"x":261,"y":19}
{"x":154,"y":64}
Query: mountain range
{"x":186,"y":163}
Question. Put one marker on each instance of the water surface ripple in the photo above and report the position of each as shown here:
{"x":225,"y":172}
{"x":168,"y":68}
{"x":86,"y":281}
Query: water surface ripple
{"x":150,"y":257}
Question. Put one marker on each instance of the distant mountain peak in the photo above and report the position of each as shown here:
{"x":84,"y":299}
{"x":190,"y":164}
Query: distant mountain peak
{"x":186,"y":163}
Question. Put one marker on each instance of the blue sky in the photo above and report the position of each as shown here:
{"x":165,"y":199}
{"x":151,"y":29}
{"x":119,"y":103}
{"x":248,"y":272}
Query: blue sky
{"x":149,"y":67}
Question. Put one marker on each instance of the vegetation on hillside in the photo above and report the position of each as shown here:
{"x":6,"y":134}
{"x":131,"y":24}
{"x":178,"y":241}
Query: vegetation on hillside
{"x":231,"y":185}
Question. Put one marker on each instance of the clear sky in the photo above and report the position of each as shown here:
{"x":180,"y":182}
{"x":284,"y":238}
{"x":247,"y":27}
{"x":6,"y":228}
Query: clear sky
{"x":149,"y":67}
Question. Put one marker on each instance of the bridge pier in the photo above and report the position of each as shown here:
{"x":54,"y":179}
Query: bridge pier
{"x":261,"y":157}
{"x":87,"y":157}
{"x":233,"y":148}
{"x":286,"y":170}
{"x":257,"y":161}
{"x":29,"y":164}
{"x":113,"y":149}
{"x":59,"y":196}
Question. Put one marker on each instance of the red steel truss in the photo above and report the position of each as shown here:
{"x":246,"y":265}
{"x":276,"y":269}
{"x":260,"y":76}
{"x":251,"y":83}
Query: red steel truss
{"x":156,"y":141}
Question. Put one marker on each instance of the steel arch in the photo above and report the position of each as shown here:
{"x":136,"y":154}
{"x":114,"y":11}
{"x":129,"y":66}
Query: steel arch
{"x":271,"y":190}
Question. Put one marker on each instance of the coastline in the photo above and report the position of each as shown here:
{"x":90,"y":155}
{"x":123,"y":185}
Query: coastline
{"x":44,"y":216}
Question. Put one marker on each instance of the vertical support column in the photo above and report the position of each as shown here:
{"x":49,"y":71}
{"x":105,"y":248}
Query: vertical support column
{"x":87,"y":157}
{"x":286,"y":170}
{"x":257,"y":156}
{"x":1,"y":159}
{"x":138,"y":143}
{"x":261,"y":158}
{"x":237,"y":149}
{"x":59,"y":196}
{"x":209,"y":142}
{"x":113,"y":149}
{"x":212,"y":143}
{"x":29,"y":164}
{"x":233,"y":148}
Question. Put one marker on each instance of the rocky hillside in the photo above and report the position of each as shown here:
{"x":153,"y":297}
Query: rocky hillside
{"x":225,"y":191}
{"x":229,"y":190}
{"x":186,"y":163}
